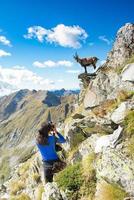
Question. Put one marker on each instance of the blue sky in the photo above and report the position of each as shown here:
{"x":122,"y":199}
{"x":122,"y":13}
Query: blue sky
{"x":38,"y":39}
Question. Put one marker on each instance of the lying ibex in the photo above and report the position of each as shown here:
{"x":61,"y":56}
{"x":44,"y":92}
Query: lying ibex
{"x":85,"y":62}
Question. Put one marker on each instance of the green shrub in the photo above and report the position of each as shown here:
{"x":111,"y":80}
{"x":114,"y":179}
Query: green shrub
{"x":129,"y":123}
{"x":70,"y":178}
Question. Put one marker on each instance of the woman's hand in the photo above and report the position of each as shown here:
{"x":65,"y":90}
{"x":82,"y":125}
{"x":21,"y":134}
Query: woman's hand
{"x":54,"y":129}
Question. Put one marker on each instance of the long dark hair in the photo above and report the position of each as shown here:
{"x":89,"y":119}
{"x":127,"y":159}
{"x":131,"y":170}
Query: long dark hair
{"x":42,"y":137}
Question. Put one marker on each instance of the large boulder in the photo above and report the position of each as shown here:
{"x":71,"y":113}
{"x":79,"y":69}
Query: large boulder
{"x":108,"y":140}
{"x":119,"y":114}
{"x":128,"y":73}
{"x":123,"y":47}
{"x":116,"y":167}
{"x":52,"y":192}
{"x":86,"y":148}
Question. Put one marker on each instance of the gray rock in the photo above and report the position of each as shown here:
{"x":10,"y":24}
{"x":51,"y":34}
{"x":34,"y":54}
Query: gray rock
{"x":123,"y":47}
{"x":86,"y":148}
{"x":128,"y":73}
{"x":119,"y":114}
{"x":108,"y":140}
{"x":116,"y":167}
{"x":52,"y":192}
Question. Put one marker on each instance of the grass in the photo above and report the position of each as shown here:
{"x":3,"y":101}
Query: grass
{"x":40,"y":192}
{"x":124,"y":95}
{"x":130,"y":147}
{"x":79,"y":179}
{"x":129,"y":124}
{"x":89,"y":184}
{"x":16,"y":186}
{"x":78,"y":139}
{"x":119,"y":69}
{"x":70,"y":178}
{"x":98,"y":129}
{"x":110,"y":192}
{"x":104,"y":108}
{"x":36,"y":177}
{"x":21,"y":197}
{"x":111,"y":105}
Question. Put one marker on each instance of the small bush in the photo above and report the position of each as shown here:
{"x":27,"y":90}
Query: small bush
{"x":70,"y":178}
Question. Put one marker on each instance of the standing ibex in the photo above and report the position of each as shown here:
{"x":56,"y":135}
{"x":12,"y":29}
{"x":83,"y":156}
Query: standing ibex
{"x":85,"y":62}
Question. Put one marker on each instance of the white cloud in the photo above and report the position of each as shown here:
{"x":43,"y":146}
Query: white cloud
{"x":50,"y":63}
{"x":37,"y":32}
{"x":5,"y":41}
{"x":73,"y":71}
{"x":23,"y":78}
{"x":18,"y":67}
{"x":66,"y":36}
{"x":4,"y":53}
{"x":105,"y":39}
{"x":60,"y":80}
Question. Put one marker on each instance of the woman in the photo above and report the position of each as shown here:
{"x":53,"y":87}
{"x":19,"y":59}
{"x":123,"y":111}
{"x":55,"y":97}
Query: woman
{"x":46,"y":141}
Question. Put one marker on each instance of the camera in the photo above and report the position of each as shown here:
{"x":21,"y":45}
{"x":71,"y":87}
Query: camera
{"x":51,"y":125}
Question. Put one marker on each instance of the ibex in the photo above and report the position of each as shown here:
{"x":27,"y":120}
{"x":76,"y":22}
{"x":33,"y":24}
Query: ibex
{"x":85,"y":62}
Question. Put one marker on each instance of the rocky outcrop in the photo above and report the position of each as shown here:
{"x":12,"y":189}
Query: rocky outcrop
{"x":128,"y":73}
{"x":115,"y":167}
{"x":123,"y":47}
{"x":52,"y":192}
{"x":119,"y":114}
{"x":108,"y":140}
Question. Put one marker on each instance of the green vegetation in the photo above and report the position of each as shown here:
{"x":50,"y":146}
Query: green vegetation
{"x":130,"y":60}
{"x":78,"y":139}
{"x":70,"y":178}
{"x":124,"y":95}
{"x":129,"y":123}
{"x":79,"y":179}
{"x":4,"y":169}
{"x":119,"y":69}
{"x":89,"y":185}
{"x":130,"y":147}
{"x":110,"y":192}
